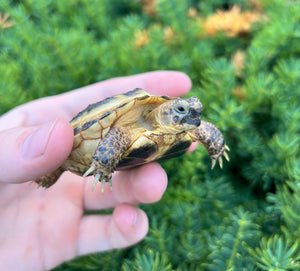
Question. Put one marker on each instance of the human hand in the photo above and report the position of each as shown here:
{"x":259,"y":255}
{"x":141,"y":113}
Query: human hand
{"x":41,"y":228}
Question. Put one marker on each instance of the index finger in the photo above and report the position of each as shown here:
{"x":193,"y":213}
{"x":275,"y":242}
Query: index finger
{"x":67,"y":105}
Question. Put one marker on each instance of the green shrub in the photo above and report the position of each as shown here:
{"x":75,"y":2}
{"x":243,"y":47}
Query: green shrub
{"x":244,"y":217}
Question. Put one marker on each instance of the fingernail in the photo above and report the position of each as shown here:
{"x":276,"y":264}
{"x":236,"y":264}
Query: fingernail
{"x":135,"y":220}
{"x":35,"y":144}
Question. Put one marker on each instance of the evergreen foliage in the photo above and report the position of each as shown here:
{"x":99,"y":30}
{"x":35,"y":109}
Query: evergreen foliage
{"x":244,"y":217}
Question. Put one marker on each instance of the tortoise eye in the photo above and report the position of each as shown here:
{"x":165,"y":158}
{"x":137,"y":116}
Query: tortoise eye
{"x":180,"y":109}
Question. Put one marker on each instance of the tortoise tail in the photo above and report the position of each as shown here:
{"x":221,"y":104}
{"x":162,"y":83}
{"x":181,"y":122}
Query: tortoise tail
{"x":49,"y":179}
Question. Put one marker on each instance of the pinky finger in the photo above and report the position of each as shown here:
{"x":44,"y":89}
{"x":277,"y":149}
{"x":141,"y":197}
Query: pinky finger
{"x":126,"y":226}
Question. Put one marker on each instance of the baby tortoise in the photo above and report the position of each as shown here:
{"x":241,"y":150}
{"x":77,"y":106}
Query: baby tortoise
{"x":135,"y":128}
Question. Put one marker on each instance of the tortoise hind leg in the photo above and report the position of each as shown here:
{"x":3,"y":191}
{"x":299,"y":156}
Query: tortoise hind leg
{"x":49,"y":179}
{"x":107,"y":156}
{"x":212,"y":139}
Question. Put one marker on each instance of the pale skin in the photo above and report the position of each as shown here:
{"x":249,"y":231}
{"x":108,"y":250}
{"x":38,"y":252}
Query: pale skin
{"x":41,"y":228}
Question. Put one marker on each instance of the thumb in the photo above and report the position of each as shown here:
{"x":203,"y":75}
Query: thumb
{"x":31,"y":152}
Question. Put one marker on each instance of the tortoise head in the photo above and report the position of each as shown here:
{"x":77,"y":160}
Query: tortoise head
{"x":179,"y":115}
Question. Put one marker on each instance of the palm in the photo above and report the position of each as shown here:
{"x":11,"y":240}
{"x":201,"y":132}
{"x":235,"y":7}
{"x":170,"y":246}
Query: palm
{"x":37,"y":219}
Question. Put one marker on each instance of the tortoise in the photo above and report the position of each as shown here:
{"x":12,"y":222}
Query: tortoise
{"x":135,"y":128}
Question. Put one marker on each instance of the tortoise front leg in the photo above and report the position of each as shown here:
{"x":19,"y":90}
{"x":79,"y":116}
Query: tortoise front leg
{"x":107,"y":156}
{"x":212,"y":139}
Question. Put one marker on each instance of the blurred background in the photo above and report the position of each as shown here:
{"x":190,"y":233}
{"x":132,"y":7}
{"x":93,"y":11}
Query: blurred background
{"x":244,"y":61}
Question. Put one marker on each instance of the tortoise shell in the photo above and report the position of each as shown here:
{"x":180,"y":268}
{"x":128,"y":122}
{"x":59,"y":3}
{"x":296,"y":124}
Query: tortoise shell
{"x":126,"y":110}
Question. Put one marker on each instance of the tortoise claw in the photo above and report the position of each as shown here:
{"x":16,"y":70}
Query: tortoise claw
{"x":89,"y":171}
{"x":96,"y":180}
{"x":110,"y":184}
{"x":98,"y":176}
{"x":226,"y":156}
{"x":220,"y":161}
{"x":213,"y":163}
{"x":103,"y":181}
{"x":102,"y":186}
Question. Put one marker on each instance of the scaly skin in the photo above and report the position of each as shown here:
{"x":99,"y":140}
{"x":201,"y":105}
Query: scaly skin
{"x":108,"y":154}
{"x":212,"y":139}
{"x":49,"y":179}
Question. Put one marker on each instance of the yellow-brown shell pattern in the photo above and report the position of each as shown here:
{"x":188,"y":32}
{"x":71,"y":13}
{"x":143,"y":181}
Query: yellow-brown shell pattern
{"x":97,"y":119}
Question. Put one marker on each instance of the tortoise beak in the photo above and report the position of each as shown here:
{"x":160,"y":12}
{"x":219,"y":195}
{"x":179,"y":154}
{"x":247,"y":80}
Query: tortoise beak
{"x":195,"y":113}
{"x":195,"y":122}
{"x":192,"y":118}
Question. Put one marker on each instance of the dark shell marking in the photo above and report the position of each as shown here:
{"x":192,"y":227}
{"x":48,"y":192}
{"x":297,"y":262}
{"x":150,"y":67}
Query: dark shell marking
{"x":177,"y":149}
{"x":145,"y":151}
{"x":129,"y":162}
{"x":91,"y":107}
{"x":138,"y":156}
{"x":105,"y":114}
{"x":143,"y":97}
{"x":132,"y":92}
{"x":143,"y":154}
{"x":76,"y":130}
{"x":166,"y":97}
{"x":88,"y":124}
{"x":120,"y":106}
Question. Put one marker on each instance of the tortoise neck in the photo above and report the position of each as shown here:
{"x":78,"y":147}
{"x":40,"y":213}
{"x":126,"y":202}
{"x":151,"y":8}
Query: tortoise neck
{"x":159,"y":122}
